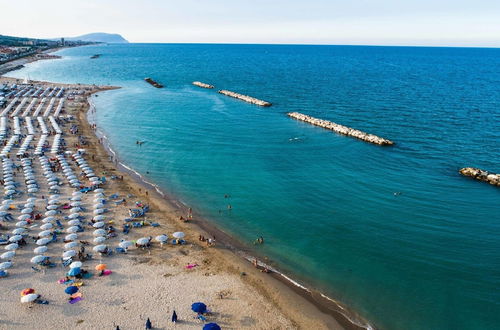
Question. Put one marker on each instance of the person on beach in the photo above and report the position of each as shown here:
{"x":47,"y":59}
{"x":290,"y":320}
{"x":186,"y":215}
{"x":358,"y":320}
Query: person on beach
{"x":174,"y":317}
{"x":190,"y":213}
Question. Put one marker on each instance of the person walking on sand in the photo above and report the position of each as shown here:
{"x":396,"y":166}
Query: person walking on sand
{"x":174,"y":317}
{"x":148,"y":324}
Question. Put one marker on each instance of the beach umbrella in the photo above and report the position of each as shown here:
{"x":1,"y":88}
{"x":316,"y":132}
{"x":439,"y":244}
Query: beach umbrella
{"x":74,"y":222}
{"x":199,"y":307}
{"x":27,"y":291}
{"x":99,"y":224}
{"x":40,"y":249}
{"x":99,"y":248}
{"x":74,"y":271}
{"x":99,"y":190}
{"x":73,"y":229}
{"x":77,"y":193}
{"x":99,"y":200}
{"x":21,"y":223}
{"x":5,"y":265}
{"x":69,"y":254}
{"x":142,"y":241}
{"x":19,"y":231}
{"x":99,"y":232}
{"x":125,"y":244}
{"x":15,"y":238}
{"x":211,"y":326}
{"x":76,"y":198}
{"x":71,"y":289}
{"x":11,"y":247}
{"x":29,"y":298}
{"x":99,"y":239}
{"x":174,"y":317}
{"x":45,"y":233}
{"x":161,"y":238}
{"x":8,"y":255}
{"x":52,"y":207}
{"x":74,"y":216}
{"x":54,"y":201}
{"x":71,"y":237}
{"x":29,"y":204}
{"x":31,"y":200}
{"x":75,"y":204}
{"x":38,"y":259}
{"x":7,"y":202}
{"x":178,"y":234}
{"x":53,"y":197}
{"x":46,"y":226}
{"x":43,"y":241}
{"x":23,"y":217}
{"x":75,"y":209}
{"x":4,"y":208}
{"x":48,"y":219}
{"x":76,"y":264}
{"x":99,"y":217}
{"x":10,"y":192}
{"x":50,"y":213}
{"x":99,"y":211}
{"x":100,"y":267}
{"x":71,"y":245}
{"x":26,"y":210}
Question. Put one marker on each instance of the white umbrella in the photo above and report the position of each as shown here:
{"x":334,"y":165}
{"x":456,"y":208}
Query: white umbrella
{"x":46,"y":226}
{"x":10,"y":192}
{"x":178,"y":234}
{"x":75,"y":204}
{"x":8,"y":255}
{"x":53,"y":197}
{"x":75,"y":209}
{"x":52,"y":207}
{"x":15,"y":238}
{"x":71,"y":237}
{"x":76,"y":264}
{"x":48,"y":219}
{"x":18,"y":231}
{"x":72,"y":229}
{"x":7,"y":202}
{"x":4,"y":207}
{"x":29,"y":298}
{"x":99,"y":200}
{"x":29,"y":204}
{"x":37,"y":259}
{"x":99,"y":217}
{"x":31,"y":200}
{"x":99,"y":190}
{"x":161,"y":238}
{"x":142,"y":241}
{"x":32,"y":190}
{"x":21,"y":223}
{"x":27,"y":211}
{"x":43,"y":241}
{"x":54,"y":201}
{"x":77,"y":193}
{"x":74,"y":222}
{"x":99,"y":248}
{"x":50,"y":213}
{"x":11,"y":247}
{"x":69,"y":254}
{"x":99,"y":211}
{"x":99,"y":239}
{"x":125,"y":244}
{"x":71,"y":245}
{"x":40,"y":249}
{"x":23,"y":217}
{"x":5,"y":265}
{"x":45,"y":233}
{"x":99,"y":224}
{"x":99,"y":232}
{"x":76,"y":198}
{"x":73,"y":216}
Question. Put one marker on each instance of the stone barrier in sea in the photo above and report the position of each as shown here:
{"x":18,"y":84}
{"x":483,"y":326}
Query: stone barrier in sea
{"x":341,"y":129}
{"x":481,"y":175}
{"x":202,"y":85}
{"x":246,"y":98}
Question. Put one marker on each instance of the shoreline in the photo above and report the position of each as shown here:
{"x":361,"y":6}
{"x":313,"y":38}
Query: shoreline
{"x":277,"y":287}
{"x":344,"y":316}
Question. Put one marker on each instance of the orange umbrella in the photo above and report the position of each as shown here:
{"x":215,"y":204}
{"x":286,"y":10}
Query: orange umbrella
{"x":27,"y":291}
{"x":100,"y":267}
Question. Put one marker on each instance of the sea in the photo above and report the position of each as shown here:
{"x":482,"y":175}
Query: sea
{"x":394,"y":233}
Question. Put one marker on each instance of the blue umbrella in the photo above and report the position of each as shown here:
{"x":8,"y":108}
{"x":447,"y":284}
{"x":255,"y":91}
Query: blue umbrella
{"x":199,"y":307}
{"x":211,"y":326}
{"x":74,"y":271}
{"x":3,"y":273}
{"x":71,"y":289}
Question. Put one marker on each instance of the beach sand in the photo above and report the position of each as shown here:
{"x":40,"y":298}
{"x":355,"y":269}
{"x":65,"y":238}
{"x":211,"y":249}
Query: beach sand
{"x":147,"y":283}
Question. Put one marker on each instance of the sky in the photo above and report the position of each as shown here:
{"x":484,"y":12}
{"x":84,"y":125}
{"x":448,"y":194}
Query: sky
{"x":345,"y":22}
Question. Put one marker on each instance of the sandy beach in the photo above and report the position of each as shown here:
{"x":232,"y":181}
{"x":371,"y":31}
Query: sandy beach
{"x":144,"y":283}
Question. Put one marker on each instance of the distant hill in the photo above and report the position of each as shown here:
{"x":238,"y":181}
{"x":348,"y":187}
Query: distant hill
{"x":100,"y":37}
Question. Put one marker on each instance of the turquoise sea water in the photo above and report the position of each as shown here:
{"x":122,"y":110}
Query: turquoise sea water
{"x":428,"y":258}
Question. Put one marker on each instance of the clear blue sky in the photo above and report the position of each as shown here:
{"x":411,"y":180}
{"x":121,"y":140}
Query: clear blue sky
{"x":372,"y":22}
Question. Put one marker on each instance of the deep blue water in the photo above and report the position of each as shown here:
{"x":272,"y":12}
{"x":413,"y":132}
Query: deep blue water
{"x":325,"y":204}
